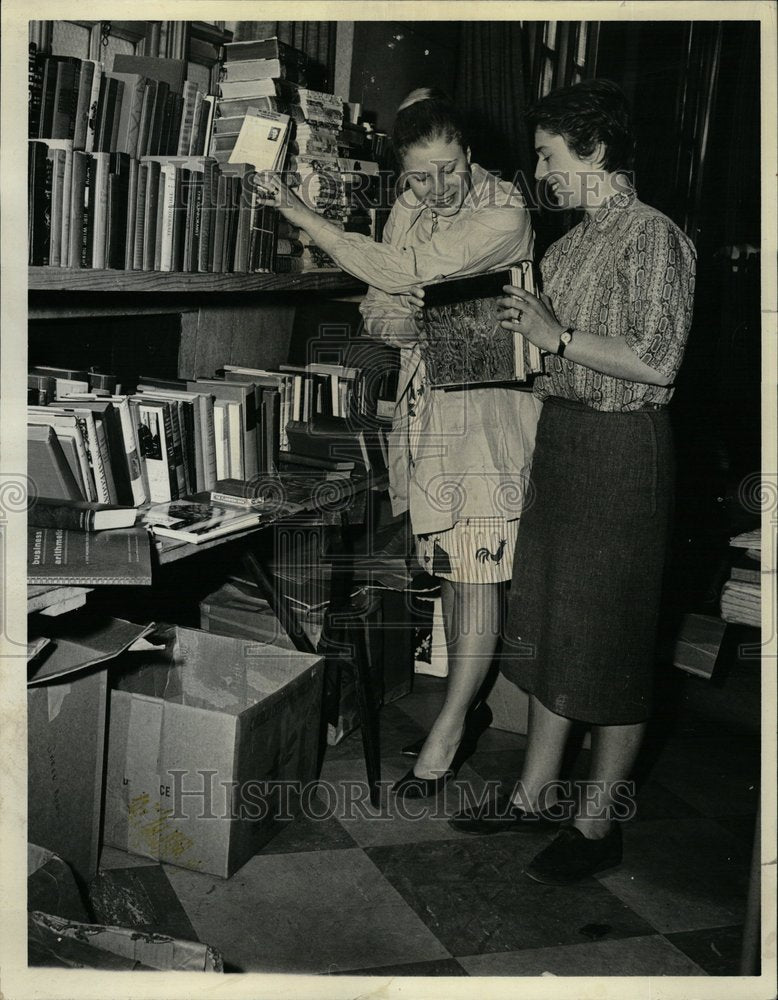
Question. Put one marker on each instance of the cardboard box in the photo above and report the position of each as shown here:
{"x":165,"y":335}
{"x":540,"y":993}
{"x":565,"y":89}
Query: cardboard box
{"x":51,"y":886}
{"x":67,"y":698}
{"x":198,"y":729}
{"x":509,"y":705}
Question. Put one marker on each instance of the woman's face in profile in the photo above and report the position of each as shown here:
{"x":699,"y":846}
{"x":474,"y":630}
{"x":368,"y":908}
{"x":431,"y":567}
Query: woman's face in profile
{"x":438,"y":173}
{"x":566,"y":175}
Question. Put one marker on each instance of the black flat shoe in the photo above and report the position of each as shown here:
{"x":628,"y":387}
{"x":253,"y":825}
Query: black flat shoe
{"x":571,"y":856}
{"x":477,"y":720}
{"x":498,"y":815}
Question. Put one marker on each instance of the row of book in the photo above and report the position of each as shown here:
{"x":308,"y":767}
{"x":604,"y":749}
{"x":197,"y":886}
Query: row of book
{"x":741,"y":596}
{"x":144,"y":106}
{"x":264,"y":77}
{"x":164,"y":213}
{"x":170,"y":438}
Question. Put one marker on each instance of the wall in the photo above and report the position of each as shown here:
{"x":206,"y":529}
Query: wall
{"x":391,"y":58}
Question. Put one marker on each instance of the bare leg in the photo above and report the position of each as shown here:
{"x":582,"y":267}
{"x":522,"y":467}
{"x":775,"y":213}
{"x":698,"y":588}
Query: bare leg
{"x":471,"y":613}
{"x":614,"y":749}
{"x":547,"y":736}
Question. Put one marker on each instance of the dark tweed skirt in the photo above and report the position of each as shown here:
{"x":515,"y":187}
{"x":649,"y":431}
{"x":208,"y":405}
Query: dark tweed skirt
{"x":584,"y":600}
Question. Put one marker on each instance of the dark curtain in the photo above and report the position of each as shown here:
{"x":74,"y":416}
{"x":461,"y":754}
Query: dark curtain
{"x":492,"y":86}
{"x":315,"y":38}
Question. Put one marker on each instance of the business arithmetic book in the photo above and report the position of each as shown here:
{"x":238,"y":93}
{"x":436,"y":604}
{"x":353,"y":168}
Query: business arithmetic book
{"x":84,"y":558}
{"x":463,"y":343}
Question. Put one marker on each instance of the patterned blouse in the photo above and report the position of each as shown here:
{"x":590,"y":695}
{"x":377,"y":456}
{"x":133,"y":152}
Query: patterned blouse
{"x":629,"y":271}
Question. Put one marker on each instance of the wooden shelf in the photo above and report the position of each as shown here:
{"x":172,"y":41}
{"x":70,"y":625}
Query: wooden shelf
{"x":66,"y":279}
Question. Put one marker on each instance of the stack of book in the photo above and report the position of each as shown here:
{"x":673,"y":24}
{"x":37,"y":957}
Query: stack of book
{"x":741,"y":596}
{"x":173,"y":438}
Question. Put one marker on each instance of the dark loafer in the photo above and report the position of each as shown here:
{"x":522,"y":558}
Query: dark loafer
{"x":570,"y":856}
{"x":497,"y":816}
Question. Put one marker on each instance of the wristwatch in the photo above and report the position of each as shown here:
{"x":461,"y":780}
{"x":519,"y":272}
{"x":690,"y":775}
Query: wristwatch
{"x":564,"y":339}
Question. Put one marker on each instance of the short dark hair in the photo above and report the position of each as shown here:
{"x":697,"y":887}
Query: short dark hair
{"x":424,"y":115}
{"x":588,"y":113}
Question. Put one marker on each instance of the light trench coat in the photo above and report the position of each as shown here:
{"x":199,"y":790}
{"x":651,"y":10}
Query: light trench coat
{"x":453,"y":454}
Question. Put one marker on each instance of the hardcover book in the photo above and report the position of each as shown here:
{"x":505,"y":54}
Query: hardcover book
{"x":463,"y":343}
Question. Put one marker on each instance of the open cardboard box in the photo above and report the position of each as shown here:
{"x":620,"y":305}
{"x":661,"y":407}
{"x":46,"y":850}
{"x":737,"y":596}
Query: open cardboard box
{"x":204,"y":734}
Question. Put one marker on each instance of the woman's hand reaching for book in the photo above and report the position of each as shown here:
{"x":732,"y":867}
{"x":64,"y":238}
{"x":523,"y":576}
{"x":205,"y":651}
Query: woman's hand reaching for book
{"x":276,"y":193}
{"x":531,"y":316}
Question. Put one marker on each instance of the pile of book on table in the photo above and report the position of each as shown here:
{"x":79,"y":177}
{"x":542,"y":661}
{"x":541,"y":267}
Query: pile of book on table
{"x":175,"y":439}
{"x":265,"y":77}
{"x":741,"y":596}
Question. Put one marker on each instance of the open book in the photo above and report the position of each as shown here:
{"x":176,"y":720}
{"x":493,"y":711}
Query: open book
{"x":463,"y":343}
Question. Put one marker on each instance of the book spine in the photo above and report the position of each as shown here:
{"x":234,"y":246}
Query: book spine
{"x":205,"y":243}
{"x":35,"y":67}
{"x":99,"y":238}
{"x":136,"y":420}
{"x":168,"y":217}
{"x":129,"y":443}
{"x":63,"y":101}
{"x":57,"y":198}
{"x":93,"y":109}
{"x":150,"y":217}
{"x":89,"y":434}
{"x":147,"y":112}
{"x":154,"y":452}
{"x":177,"y":438}
{"x":48,"y":91}
{"x":197,"y":225}
{"x":140,"y":216}
{"x":194,"y":138}
{"x":187,"y":118}
{"x":132,"y":208}
{"x":208,"y":440}
{"x":234,"y":501}
{"x":105,"y":461}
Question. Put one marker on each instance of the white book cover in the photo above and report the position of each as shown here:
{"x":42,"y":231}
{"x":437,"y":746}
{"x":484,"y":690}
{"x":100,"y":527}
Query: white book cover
{"x":262,"y":140}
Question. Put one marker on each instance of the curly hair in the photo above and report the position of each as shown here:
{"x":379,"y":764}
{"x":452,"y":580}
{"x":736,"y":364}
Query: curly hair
{"x":424,"y":115}
{"x":586,"y":114}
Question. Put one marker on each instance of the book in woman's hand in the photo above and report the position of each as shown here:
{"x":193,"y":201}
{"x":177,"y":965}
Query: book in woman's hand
{"x":463,"y":343}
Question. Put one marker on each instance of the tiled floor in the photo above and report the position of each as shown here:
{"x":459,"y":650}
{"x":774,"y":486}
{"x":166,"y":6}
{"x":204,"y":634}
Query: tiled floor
{"x":379,"y":892}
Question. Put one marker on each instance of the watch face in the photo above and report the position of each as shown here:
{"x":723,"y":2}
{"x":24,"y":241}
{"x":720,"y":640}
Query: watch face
{"x":566,"y":337}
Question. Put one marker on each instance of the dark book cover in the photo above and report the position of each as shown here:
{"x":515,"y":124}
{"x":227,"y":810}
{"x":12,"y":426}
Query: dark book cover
{"x":113,"y":135}
{"x":77,"y":515}
{"x":157,"y":117}
{"x":181,"y":216}
{"x":47,"y":467}
{"x":62,"y":119}
{"x":103,"y":112}
{"x":146,"y":117}
{"x":48,"y":90}
{"x":270,"y":429}
{"x":88,"y":210}
{"x":176,"y":113}
{"x":82,"y":107}
{"x":164,"y":135}
{"x":463,"y":342}
{"x":150,"y":215}
{"x":118,"y":197}
{"x":37,"y":233}
{"x":79,"y":558}
{"x":35,"y":67}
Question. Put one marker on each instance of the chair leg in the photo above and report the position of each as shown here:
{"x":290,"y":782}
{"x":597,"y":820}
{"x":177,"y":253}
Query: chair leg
{"x":368,"y":710}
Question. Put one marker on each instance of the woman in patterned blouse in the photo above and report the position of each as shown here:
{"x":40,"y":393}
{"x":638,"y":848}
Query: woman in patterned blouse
{"x":580,"y":635}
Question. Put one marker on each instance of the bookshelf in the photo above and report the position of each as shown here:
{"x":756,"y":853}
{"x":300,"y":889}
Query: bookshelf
{"x":67,"y":279}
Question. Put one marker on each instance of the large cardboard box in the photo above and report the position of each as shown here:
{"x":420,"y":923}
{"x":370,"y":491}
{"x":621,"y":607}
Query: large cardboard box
{"x":203,"y":734}
{"x":67,"y":699}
